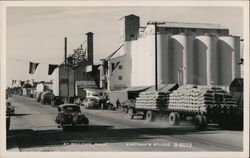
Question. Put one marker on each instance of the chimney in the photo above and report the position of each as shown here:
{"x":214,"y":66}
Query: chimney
{"x":90,"y":48}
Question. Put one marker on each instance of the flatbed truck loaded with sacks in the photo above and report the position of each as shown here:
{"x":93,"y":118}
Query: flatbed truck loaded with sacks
{"x":203,"y":104}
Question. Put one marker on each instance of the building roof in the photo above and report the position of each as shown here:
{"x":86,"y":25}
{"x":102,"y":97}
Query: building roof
{"x":192,"y":25}
{"x":128,"y":16}
{"x":164,"y":87}
{"x":137,"y":88}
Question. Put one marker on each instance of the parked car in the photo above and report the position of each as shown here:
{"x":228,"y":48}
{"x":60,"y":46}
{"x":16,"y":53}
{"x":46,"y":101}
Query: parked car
{"x":70,"y":115}
{"x":10,"y":110}
{"x":56,"y":101}
{"x":109,"y":105}
{"x":79,"y":101}
{"x":7,"y":122}
{"x":38,"y":96}
{"x":71,"y":99}
{"x":46,"y":97}
{"x":91,"y":103}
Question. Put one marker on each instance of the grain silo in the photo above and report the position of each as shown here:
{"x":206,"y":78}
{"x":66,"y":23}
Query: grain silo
{"x":229,"y":56}
{"x":182,"y":58}
{"x":163,"y":58}
{"x":206,"y":60}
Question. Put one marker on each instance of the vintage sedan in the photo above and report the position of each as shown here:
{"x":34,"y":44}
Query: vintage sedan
{"x":46,"y":97}
{"x":70,"y":115}
{"x":56,"y":101}
{"x":10,"y":110}
{"x":91,"y":103}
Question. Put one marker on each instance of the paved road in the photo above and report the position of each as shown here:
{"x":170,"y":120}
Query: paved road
{"x":33,"y":129}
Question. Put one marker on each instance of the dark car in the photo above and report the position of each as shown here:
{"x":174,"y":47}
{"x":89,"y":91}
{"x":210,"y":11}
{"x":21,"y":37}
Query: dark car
{"x":10,"y":110}
{"x":7,"y":122}
{"x":70,"y":115}
{"x":91,"y":103}
{"x":46,"y":97}
{"x":79,"y":101}
{"x":38,"y":96}
{"x":56,"y":101}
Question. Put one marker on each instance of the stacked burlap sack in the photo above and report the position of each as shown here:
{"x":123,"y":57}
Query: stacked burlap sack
{"x":152,"y":100}
{"x":200,"y":99}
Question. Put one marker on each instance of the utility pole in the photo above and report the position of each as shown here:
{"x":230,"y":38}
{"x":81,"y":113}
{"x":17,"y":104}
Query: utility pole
{"x":66,"y":65}
{"x":65,"y":51}
{"x":156,"y":62}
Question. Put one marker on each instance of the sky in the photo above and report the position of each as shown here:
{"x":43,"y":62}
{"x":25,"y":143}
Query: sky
{"x":36,"y":34}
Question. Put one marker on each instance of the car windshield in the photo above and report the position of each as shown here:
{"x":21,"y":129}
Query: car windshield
{"x":70,"y":109}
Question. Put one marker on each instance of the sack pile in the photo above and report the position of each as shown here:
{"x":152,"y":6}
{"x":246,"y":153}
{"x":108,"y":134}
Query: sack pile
{"x":152,"y":100}
{"x":200,"y":99}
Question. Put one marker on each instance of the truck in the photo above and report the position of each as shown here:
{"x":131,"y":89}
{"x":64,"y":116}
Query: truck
{"x":204,"y":104}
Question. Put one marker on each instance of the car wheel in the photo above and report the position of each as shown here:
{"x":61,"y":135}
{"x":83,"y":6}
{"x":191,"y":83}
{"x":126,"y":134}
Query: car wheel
{"x":64,"y":128}
{"x":86,"y":121}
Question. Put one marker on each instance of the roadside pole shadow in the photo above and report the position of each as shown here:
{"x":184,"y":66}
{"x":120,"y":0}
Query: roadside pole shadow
{"x":27,"y":138}
{"x":20,"y":114}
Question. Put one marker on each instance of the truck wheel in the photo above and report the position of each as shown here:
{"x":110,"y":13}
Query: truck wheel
{"x":174,"y":118}
{"x":150,"y":116}
{"x":200,"y":122}
{"x":130,"y":113}
{"x":224,"y":123}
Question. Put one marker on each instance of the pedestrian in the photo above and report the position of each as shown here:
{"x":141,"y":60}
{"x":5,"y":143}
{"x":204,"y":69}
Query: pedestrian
{"x":118,"y":103}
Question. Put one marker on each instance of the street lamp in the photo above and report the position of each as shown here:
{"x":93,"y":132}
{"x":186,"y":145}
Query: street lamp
{"x":156,"y":27}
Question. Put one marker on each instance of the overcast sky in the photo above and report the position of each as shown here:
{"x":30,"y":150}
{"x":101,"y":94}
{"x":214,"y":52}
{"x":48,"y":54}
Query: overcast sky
{"x":37,"y":33}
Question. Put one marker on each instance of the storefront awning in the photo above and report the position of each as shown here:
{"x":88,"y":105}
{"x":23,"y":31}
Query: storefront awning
{"x":86,"y":84}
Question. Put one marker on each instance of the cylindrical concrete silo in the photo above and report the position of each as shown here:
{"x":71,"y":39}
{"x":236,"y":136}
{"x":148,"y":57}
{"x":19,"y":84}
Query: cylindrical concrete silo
{"x":237,"y":70}
{"x":229,"y":54}
{"x":206,"y":59}
{"x":182,"y":56}
{"x":163,"y":59}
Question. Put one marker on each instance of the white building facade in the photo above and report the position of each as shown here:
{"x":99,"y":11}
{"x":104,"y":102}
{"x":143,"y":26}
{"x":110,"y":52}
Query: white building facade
{"x":188,"y":53}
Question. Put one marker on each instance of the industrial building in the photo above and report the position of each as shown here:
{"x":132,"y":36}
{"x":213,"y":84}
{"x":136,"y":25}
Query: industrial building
{"x":73,"y":77}
{"x":188,"y":53}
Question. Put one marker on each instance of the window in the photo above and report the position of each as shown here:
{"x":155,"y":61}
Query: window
{"x":119,"y":77}
{"x":120,"y":67}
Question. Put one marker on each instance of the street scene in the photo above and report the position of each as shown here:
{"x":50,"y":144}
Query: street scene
{"x":130,"y":79}
{"x":33,"y":128}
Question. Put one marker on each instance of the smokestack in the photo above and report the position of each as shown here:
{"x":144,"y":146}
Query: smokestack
{"x":90,"y":48}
